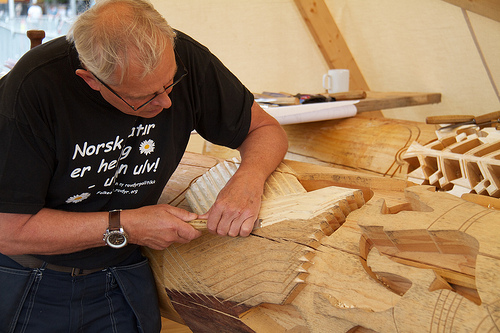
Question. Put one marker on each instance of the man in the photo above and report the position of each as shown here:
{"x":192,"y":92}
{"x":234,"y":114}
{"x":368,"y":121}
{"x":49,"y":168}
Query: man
{"x":35,"y":12}
{"x":92,"y":127}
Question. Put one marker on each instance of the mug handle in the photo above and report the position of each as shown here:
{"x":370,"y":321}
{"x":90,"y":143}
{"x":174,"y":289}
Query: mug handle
{"x":327,"y":78}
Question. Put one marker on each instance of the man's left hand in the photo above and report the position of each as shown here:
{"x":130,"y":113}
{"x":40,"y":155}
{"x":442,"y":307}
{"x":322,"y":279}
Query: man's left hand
{"x":236,"y":209}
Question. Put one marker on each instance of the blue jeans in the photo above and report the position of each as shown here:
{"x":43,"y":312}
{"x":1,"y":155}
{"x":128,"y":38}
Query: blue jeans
{"x":117,"y":299}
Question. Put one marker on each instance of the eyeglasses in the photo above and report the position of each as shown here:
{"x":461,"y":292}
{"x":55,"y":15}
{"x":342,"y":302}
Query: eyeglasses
{"x":165,"y":88}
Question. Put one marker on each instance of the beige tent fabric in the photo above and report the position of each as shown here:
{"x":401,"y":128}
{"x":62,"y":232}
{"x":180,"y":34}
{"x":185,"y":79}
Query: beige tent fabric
{"x":399,"y":45}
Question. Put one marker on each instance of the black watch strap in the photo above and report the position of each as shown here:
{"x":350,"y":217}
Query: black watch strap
{"x":114,"y":220}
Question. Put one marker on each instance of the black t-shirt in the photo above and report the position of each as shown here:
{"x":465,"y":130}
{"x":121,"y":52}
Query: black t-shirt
{"x":64,"y":147}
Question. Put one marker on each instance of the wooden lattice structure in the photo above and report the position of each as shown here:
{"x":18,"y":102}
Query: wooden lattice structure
{"x":466,"y":160}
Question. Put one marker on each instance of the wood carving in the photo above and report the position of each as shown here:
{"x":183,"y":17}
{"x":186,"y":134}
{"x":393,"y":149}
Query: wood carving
{"x":409,"y":260}
{"x":271,"y":265}
{"x":467,"y":160}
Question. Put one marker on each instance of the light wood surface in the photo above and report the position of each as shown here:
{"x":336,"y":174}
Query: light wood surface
{"x":235,"y":271}
{"x":366,"y":144}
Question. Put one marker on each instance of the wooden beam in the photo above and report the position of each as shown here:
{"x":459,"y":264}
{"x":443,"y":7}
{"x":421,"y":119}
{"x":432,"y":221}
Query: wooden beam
{"x":330,"y":41}
{"x":487,"y":8}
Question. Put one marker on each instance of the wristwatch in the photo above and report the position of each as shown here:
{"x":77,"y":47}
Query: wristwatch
{"x":115,"y":236}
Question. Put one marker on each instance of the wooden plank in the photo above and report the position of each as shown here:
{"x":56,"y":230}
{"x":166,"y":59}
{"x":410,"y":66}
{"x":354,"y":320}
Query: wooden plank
{"x":330,"y":41}
{"x":482,"y":200}
{"x":487,"y":8}
{"x":363,"y":143}
{"x":389,"y":100}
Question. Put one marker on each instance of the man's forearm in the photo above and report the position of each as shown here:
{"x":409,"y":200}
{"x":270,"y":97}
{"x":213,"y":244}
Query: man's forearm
{"x":51,"y":232}
{"x":265,"y":146}
{"x":57,"y":232}
{"x":263,"y":151}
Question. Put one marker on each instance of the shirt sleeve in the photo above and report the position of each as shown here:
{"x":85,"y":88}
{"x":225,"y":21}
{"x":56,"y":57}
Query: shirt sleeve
{"x":222,"y":103}
{"x":26,"y":161}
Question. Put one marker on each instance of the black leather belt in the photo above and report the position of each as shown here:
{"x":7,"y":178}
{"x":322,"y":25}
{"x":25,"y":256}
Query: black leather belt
{"x":32,"y":262}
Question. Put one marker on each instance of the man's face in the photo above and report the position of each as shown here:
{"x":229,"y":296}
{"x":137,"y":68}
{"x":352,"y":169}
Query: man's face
{"x":136,"y":91}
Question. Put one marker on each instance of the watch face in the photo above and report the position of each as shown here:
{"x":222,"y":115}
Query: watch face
{"x":116,"y":239}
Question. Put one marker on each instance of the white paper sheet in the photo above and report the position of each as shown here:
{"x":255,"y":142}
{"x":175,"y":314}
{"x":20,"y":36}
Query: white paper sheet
{"x":306,"y":113}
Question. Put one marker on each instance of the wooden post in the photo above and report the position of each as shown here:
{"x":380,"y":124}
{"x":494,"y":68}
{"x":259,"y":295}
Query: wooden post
{"x":487,"y":8}
{"x":330,"y":41}
{"x":36,"y":37}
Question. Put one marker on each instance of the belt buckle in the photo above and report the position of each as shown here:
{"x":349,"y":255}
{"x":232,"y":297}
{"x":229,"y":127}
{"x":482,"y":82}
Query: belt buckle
{"x":76,"y":271}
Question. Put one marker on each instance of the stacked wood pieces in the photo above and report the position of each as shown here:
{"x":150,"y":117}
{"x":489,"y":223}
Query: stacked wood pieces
{"x":430,"y":290}
{"x":464,"y":160}
{"x":191,"y":168}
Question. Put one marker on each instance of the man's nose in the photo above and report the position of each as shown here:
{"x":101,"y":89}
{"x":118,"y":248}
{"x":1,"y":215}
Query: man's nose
{"x":163,"y":100}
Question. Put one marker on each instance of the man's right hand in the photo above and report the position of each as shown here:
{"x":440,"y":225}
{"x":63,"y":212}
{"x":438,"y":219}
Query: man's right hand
{"x":158,"y":226}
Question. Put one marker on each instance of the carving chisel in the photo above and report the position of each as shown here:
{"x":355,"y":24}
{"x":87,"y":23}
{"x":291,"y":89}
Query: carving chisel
{"x":460,"y":120}
{"x":201,"y":225}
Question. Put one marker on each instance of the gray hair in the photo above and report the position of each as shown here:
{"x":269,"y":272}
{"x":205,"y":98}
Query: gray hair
{"x":115,"y":33}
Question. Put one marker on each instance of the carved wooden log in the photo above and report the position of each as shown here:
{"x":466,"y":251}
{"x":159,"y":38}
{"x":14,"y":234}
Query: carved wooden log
{"x":409,"y":260}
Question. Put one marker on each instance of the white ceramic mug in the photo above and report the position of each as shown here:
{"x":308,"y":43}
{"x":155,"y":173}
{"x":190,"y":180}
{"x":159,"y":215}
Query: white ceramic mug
{"x":336,"y":80}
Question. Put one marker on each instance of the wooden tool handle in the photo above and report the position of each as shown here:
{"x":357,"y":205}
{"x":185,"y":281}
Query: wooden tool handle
{"x":198,"y":224}
{"x":492,"y":116}
{"x":202,"y":224}
{"x":454,"y":119}
{"x":348,"y":95}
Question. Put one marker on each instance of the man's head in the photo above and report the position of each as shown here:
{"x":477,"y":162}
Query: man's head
{"x":116,"y":34}
{"x":127,"y":50}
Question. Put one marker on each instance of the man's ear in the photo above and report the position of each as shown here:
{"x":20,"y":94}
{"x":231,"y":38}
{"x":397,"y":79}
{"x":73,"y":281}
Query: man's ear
{"x":89,"y":79}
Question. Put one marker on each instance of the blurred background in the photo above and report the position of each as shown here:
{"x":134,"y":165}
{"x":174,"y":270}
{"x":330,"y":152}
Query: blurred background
{"x":18,"y":16}
{"x":398,"y":45}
